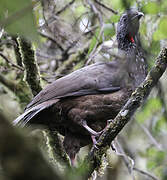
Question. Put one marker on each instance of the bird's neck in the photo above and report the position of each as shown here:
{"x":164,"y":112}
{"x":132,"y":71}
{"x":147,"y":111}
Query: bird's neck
{"x":135,"y":60}
{"x":126,"y":43}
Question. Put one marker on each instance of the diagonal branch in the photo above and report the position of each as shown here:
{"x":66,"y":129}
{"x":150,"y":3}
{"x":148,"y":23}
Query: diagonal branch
{"x":11,"y":63}
{"x":123,"y":117}
{"x":106,"y":7}
{"x":65,"y":7}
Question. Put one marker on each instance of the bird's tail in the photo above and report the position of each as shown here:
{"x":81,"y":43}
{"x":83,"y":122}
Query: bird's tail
{"x":30,"y":113}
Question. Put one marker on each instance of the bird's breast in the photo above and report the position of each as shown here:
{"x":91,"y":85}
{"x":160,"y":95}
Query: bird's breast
{"x":95,"y":109}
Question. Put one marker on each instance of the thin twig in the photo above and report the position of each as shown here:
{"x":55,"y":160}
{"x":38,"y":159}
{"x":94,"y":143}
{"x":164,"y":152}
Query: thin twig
{"x":153,"y":140}
{"x":65,"y":7}
{"x":101,"y":33}
{"x":145,"y":173}
{"x":106,"y":7}
{"x":75,"y":41}
{"x":129,"y":162}
{"x":11,"y":63}
{"x":51,"y":39}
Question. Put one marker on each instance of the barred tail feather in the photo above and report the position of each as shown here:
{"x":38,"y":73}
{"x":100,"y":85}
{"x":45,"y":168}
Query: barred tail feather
{"x":30,"y":113}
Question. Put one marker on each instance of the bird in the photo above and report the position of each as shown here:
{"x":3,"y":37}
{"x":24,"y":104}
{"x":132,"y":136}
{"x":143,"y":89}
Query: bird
{"x":80,"y":104}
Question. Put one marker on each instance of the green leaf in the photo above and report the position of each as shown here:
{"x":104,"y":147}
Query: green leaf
{"x":80,"y":10}
{"x":161,"y":32}
{"x":122,"y":5}
{"x":160,"y":126}
{"x":115,"y":18}
{"x":116,"y":4}
{"x":152,"y":107}
{"x":17,"y":18}
{"x":155,"y":157}
{"x":163,"y":6}
{"x":151,"y":8}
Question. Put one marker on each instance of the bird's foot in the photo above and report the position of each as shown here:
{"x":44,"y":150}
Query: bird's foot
{"x":92,"y":132}
{"x":99,"y":133}
{"x":94,"y":141}
{"x":113,"y":147}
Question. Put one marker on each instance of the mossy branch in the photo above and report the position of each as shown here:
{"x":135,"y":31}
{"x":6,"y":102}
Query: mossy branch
{"x":56,"y":148}
{"x":138,"y":96}
{"x":20,"y":89}
{"x":16,"y":50}
{"x":31,"y":69}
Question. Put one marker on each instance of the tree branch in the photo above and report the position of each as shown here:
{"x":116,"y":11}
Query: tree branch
{"x":74,"y":59}
{"x":31,"y":69}
{"x":11,"y":63}
{"x":123,"y":117}
{"x":16,"y":50}
{"x":106,"y":7}
{"x":145,"y":173}
{"x":19,"y":89}
{"x":65,"y":7}
{"x":57,"y":148}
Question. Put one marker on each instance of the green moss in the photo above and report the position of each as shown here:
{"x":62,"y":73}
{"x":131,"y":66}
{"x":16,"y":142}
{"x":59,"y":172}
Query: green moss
{"x":32,"y":75}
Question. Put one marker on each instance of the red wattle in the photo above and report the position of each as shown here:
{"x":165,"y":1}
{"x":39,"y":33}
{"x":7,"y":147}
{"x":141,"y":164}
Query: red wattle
{"x":131,"y":39}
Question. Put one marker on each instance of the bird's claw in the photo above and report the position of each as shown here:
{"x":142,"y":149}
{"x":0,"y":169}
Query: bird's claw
{"x":95,"y":146}
{"x":94,"y":141}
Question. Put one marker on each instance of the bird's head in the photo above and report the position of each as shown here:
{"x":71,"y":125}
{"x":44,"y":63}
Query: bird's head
{"x":128,"y":27}
{"x":71,"y":146}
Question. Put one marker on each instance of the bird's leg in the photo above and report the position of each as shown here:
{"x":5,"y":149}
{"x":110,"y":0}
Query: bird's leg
{"x":94,"y":137}
{"x":90,"y":130}
{"x":93,"y":133}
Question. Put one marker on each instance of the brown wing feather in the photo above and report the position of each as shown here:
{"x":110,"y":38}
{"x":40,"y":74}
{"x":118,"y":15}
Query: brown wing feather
{"x":93,"y":79}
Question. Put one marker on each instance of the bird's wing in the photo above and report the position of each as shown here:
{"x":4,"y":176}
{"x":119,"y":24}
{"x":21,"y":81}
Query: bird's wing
{"x":93,"y":79}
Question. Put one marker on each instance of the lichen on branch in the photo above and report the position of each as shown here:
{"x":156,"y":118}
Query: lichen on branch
{"x":32,"y":75}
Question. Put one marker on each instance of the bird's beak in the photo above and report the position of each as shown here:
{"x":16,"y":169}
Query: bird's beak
{"x":140,"y":14}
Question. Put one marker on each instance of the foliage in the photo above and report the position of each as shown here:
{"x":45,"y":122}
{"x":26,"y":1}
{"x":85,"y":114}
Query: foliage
{"x":17,"y":18}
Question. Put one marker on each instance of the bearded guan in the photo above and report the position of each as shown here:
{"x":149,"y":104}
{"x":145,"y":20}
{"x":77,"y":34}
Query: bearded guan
{"x":79,"y":104}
